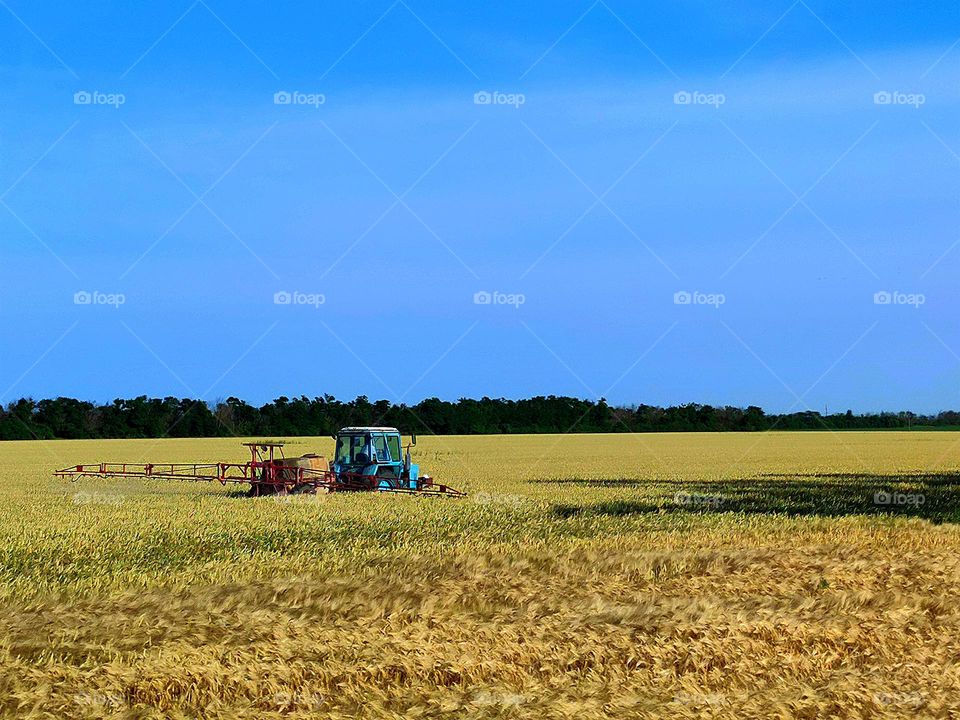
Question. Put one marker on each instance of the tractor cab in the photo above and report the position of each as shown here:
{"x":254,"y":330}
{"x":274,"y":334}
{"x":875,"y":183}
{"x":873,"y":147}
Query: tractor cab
{"x":376,"y":452}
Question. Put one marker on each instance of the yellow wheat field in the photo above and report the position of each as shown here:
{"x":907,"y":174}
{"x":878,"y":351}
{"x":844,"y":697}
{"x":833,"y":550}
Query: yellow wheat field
{"x":607,"y":576}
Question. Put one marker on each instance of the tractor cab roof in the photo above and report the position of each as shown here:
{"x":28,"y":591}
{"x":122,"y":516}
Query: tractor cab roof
{"x":358,"y":430}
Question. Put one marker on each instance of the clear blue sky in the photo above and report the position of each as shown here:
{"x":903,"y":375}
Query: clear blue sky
{"x":784,"y":189}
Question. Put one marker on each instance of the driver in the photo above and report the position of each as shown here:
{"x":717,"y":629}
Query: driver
{"x":366,"y":452}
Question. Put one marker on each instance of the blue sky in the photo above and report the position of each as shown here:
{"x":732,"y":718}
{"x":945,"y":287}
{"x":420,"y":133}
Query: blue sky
{"x":790,"y":169}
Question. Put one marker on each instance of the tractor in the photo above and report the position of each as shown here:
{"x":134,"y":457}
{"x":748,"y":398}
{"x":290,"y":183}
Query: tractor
{"x":366,"y":458}
{"x":375,"y":452}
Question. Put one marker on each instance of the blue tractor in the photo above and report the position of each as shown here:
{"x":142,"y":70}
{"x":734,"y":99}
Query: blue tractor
{"x":374,"y":456}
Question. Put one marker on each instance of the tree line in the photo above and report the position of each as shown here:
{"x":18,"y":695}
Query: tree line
{"x":144,"y":417}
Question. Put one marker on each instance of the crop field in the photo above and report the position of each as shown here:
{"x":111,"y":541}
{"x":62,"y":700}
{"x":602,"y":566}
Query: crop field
{"x":693,"y":575}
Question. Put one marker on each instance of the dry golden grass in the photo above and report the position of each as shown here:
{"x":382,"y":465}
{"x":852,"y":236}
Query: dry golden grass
{"x":585,"y":576}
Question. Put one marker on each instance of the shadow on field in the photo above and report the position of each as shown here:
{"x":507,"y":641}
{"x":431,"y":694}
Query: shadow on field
{"x":932,"y":496}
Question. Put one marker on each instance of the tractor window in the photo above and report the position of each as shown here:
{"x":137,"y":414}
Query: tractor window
{"x":380,"y":447}
{"x":358,"y":453}
{"x":348,"y":448}
{"x":343,"y":450}
{"x":393,"y":442}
